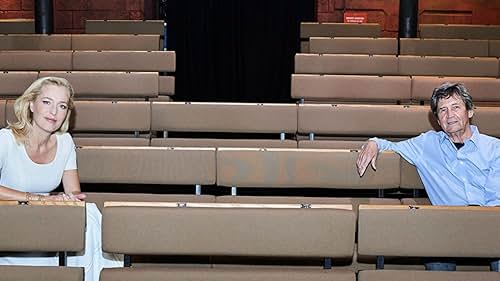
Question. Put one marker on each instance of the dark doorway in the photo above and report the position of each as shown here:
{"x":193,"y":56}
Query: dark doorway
{"x":235,"y":51}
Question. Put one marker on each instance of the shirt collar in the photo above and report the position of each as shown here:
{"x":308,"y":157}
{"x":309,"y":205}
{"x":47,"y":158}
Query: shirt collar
{"x":475,"y":135}
{"x":474,"y":138}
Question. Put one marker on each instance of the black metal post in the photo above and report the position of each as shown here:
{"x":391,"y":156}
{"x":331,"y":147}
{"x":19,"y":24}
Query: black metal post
{"x":44,"y":17}
{"x":127,"y":261}
{"x":162,"y":5}
{"x":327,"y":263}
{"x":408,"y":18}
{"x":380,"y":262}
{"x":63,"y":258}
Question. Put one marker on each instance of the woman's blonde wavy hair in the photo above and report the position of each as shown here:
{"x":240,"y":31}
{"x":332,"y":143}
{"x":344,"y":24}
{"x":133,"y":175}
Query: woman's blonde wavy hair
{"x":23,"y":126}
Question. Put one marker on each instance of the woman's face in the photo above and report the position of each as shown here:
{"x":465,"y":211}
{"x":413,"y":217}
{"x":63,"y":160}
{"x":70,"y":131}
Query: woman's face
{"x":50,"y":108}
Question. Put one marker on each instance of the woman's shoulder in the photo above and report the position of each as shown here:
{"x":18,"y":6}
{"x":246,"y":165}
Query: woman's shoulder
{"x":6,"y":134}
{"x":65,"y":138}
{"x":7,"y":140}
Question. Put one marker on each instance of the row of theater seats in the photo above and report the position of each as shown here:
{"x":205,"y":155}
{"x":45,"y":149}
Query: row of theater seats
{"x":137,"y":42}
{"x":359,"y":64}
{"x":405,"y":46}
{"x":426,"y":31}
{"x":27,"y":26}
{"x":93,"y":74}
{"x":259,"y":241}
{"x":99,"y":35}
{"x":91,"y":60}
{"x":386,"y":89}
{"x":368,"y":54}
{"x":274,"y":125}
{"x":234,"y":168}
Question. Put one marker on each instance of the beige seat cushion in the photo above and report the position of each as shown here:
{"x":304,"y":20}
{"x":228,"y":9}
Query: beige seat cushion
{"x":415,"y":275}
{"x":229,"y":274}
{"x":40,"y":273}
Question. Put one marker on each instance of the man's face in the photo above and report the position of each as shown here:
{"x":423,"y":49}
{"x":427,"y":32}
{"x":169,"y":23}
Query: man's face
{"x":453,"y":116}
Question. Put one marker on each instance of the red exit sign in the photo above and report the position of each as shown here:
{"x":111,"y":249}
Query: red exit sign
{"x":355,"y":17}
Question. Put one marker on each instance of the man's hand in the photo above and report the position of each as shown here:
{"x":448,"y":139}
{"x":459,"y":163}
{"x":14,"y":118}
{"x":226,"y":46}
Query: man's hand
{"x":367,"y":155}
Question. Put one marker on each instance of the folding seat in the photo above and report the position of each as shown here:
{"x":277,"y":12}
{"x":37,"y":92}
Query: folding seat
{"x":187,"y":167}
{"x":111,"y":123}
{"x":483,"y":90}
{"x":331,"y":143}
{"x":46,"y":227}
{"x":460,"y":31}
{"x":268,"y":124}
{"x":302,"y":168}
{"x":36,"y":60}
{"x":14,"y":83}
{"x":346,"y":64}
{"x":447,"y":66}
{"x":156,"y":27}
{"x":494,"y":48}
{"x":414,"y":275}
{"x":111,"y":116}
{"x":124,"y":26}
{"x":410,"y":180}
{"x":152,"y":61}
{"x":330,"y":29}
{"x":428,"y":232}
{"x":443,"y":47}
{"x":100,"y":42}
{"x":486,"y":118}
{"x":166,"y":86}
{"x":17,"y":26}
{"x":110,"y":85}
{"x":351,"y":88}
{"x":363,"y":120}
{"x":348,"y":126}
{"x":323,"y":233}
{"x":17,"y":42}
{"x":353,"y":45}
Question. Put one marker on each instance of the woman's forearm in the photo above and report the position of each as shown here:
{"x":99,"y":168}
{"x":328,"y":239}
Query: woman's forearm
{"x":12,"y":194}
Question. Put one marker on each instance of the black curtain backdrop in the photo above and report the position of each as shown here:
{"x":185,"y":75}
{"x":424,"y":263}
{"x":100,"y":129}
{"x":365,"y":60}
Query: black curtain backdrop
{"x":235,"y":50}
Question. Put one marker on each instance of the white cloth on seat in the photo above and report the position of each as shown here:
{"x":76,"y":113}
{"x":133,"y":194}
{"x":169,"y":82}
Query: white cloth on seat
{"x":92,"y":259}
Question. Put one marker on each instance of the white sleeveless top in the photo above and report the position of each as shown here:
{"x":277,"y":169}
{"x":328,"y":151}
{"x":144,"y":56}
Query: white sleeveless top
{"x":19,"y":172}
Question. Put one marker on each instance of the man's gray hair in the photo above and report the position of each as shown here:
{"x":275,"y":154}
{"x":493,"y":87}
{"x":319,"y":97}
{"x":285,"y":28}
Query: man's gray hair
{"x":447,"y":90}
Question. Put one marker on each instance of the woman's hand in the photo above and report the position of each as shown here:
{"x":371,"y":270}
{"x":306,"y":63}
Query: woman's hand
{"x":66,"y":197}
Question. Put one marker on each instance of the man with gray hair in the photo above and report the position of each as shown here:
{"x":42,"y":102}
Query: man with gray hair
{"x":458,"y":166}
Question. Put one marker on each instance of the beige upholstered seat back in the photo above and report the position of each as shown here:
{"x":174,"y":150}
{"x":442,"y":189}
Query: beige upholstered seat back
{"x":124,"y":26}
{"x":353,"y":45}
{"x":229,"y":229}
{"x":42,"y":226}
{"x":35,"y":41}
{"x":146,"y":165}
{"x":302,"y":168}
{"x":428,"y":231}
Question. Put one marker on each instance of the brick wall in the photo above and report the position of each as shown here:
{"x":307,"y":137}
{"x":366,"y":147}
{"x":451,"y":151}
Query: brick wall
{"x":386,"y":12}
{"x":70,"y":15}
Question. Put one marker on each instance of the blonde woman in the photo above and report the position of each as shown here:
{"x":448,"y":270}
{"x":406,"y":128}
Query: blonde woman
{"x":36,"y":155}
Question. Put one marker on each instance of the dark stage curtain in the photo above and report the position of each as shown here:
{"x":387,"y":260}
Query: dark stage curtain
{"x":235,"y":50}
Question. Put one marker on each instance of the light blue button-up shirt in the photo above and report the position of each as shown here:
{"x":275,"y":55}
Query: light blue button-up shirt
{"x":455,"y":177}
